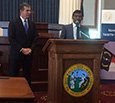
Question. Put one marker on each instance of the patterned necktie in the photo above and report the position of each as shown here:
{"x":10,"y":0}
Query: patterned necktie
{"x":26,"y":27}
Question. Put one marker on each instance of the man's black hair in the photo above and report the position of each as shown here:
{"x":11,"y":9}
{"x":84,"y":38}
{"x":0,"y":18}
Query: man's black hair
{"x":76,"y":11}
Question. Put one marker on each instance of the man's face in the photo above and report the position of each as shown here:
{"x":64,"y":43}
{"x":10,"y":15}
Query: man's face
{"x":77,"y":17}
{"x":26,"y":12}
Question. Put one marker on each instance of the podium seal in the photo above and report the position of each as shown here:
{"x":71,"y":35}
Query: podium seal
{"x":78,"y":80}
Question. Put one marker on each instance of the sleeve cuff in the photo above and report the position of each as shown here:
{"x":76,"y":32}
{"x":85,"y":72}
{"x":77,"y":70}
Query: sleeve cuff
{"x":21,"y":50}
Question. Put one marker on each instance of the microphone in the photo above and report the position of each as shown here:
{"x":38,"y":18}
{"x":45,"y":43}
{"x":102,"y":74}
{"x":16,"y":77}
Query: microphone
{"x":77,"y":23}
{"x":80,"y":33}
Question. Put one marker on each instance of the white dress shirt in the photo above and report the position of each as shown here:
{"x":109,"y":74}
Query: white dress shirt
{"x":24,"y":22}
{"x":23,"y":25}
{"x":75,"y":30}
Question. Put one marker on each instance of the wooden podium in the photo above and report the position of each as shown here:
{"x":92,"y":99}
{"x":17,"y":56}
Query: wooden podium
{"x":64,"y":53}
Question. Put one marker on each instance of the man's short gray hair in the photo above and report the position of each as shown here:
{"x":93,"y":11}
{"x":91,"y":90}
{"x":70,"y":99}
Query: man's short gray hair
{"x":21,"y":7}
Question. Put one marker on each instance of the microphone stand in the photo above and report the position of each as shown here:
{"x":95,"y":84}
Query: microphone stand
{"x":82,"y":33}
{"x":78,"y":29}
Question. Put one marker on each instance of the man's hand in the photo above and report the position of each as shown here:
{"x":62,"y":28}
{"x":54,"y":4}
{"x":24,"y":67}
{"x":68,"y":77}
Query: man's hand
{"x":26,"y":51}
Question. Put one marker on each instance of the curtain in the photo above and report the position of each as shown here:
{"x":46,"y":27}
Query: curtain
{"x":66,"y":8}
{"x":44,"y":10}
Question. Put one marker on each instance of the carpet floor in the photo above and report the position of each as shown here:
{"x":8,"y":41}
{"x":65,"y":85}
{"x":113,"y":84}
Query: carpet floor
{"x":107,"y":94}
{"x":41,"y":97}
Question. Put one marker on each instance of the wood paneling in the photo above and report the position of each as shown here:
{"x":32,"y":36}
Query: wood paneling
{"x":39,"y":76}
{"x":62,"y":55}
{"x":4,"y":58}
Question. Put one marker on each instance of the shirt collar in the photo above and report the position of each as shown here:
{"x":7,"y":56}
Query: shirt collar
{"x":23,"y":19}
{"x":74,"y":25}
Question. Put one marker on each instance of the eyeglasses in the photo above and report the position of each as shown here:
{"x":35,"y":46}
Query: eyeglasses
{"x":77,"y":16}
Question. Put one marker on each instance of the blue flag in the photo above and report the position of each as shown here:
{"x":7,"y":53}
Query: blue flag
{"x":106,"y":59}
{"x":82,"y":11}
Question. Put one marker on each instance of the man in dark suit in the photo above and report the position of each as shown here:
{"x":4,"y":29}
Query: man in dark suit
{"x":75,"y":30}
{"x":21,"y":34}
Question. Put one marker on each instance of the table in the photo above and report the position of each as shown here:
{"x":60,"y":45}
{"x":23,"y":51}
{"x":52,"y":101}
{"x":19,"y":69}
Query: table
{"x":15,"y":90}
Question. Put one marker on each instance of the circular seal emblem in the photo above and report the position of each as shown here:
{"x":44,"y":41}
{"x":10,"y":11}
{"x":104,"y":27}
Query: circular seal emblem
{"x":107,"y":16}
{"x":78,"y":80}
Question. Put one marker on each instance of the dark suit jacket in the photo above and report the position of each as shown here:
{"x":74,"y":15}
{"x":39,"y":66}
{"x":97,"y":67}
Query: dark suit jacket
{"x":18,"y":38}
{"x":67,"y":32}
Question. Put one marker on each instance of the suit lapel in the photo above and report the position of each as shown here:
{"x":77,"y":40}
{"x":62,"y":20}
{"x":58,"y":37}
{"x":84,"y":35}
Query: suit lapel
{"x":22,"y":27}
{"x":71,"y":30}
{"x":81,"y":28}
{"x":21,"y":24}
{"x":29,"y":24}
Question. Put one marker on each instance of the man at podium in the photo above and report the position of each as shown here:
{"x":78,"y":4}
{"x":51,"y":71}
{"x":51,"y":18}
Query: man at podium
{"x":75,"y":30}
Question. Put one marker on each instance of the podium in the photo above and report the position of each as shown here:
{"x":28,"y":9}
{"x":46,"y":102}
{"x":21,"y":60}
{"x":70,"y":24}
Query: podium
{"x":78,"y":57}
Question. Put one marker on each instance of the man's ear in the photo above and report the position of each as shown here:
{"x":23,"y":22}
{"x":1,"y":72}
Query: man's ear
{"x":20,"y":11}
